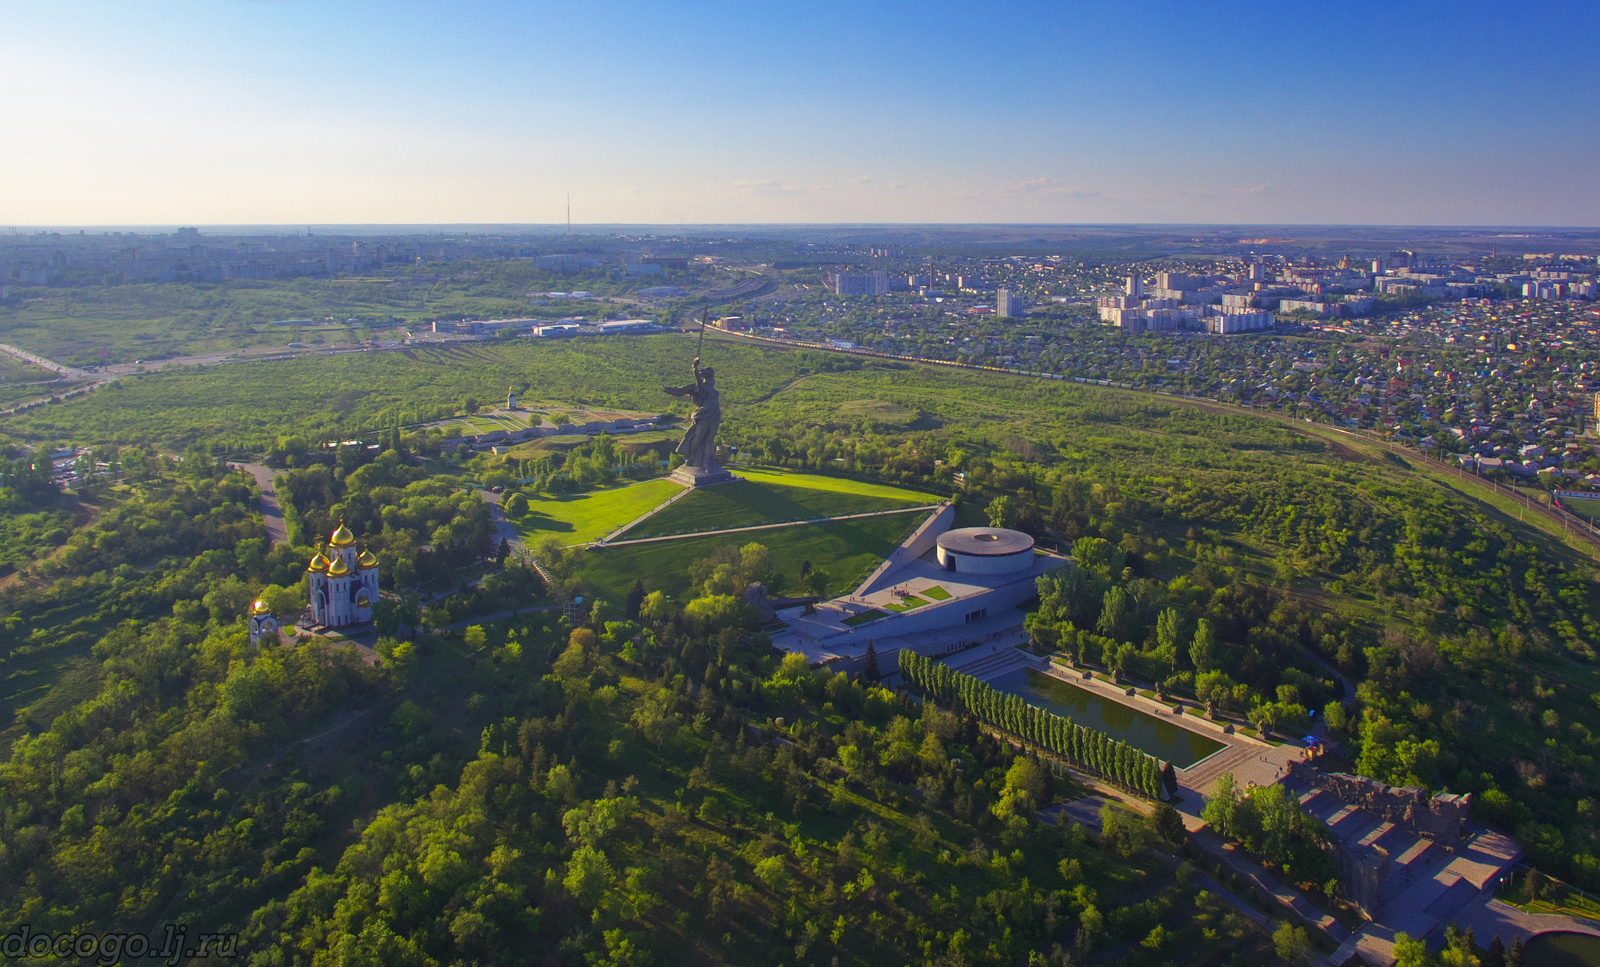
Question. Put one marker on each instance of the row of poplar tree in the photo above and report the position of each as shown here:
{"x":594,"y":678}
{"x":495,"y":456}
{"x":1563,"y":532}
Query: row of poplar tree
{"x":1092,"y":749}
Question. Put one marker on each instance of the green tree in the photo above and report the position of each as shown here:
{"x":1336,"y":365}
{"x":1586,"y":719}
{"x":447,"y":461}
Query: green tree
{"x":1410,"y":952}
{"x":635,"y":601}
{"x":1003,"y":511}
{"x":1203,"y":647}
{"x":1219,"y":807}
{"x":1167,"y":824}
{"x":589,"y":875}
{"x":1292,"y":943}
{"x":714,"y":612}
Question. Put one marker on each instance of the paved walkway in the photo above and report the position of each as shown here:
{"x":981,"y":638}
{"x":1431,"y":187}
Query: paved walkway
{"x":1086,"y":813}
{"x":503,"y":528}
{"x":1495,"y":918}
{"x":1268,"y":886}
{"x":271,"y":510}
{"x":497,"y":616}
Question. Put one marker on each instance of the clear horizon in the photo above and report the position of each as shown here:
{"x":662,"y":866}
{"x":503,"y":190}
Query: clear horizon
{"x":192,"y":112}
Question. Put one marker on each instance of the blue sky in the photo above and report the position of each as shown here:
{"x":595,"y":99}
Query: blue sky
{"x":319,"y":111}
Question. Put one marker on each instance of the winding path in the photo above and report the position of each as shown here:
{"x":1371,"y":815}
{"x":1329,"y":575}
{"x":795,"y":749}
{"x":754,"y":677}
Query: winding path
{"x":271,"y":510}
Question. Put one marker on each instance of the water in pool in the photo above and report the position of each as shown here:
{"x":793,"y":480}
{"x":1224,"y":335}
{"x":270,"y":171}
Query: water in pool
{"x":1158,"y":736}
{"x":1563,"y":950}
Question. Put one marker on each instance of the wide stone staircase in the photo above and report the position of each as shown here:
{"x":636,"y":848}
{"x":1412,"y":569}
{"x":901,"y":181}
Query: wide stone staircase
{"x":1204,"y":773}
{"x":983,"y":664}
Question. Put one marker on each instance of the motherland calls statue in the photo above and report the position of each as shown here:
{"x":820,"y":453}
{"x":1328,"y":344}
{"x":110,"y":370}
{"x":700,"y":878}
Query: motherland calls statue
{"x":699,"y":444}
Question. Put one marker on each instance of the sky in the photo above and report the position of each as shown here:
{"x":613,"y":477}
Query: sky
{"x":213,"y":112}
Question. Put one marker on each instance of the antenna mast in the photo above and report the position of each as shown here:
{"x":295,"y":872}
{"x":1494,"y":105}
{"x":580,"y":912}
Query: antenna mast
{"x":569,"y":214}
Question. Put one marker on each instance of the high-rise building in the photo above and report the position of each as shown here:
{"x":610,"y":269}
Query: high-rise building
{"x":1132,"y":287}
{"x":1231,"y":320}
{"x":863,"y":283}
{"x":1009,"y":306}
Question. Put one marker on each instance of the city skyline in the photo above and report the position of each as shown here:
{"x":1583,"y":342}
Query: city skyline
{"x":285,"y":112}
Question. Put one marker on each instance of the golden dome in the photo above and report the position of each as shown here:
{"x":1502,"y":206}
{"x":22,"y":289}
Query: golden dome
{"x":318,"y":562}
{"x":342,"y":536}
{"x":367,"y":559}
{"x":260,"y":607}
{"x":338,"y":568}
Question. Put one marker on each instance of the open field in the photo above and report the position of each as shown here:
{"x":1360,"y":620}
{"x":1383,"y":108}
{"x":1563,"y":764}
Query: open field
{"x":581,"y":518}
{"x":119,"y":323}
{"x":14,"y":370}
{"x":846,"y":550}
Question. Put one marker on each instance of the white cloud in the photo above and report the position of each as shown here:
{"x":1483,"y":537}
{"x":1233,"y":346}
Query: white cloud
{"x":1221,"y":192}
{"x":1049,"y":186}
{"x":768,"y":186}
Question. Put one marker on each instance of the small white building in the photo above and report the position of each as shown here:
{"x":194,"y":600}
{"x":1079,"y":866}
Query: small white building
{"x":263,"y":624}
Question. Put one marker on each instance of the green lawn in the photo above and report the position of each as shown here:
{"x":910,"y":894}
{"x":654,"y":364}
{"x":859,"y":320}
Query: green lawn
{"x":581,"y":518}
{"x":907,"y":604}
{"x":864,"y":617}
{"x":936,"y":593}
{"x":1587,"y":509}
{"x":847,"y":550}
{"x":816,"y":481}
{"x":761,"y":500}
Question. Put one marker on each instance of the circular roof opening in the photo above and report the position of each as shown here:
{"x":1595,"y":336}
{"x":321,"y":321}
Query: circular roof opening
{"x":985,"y":541}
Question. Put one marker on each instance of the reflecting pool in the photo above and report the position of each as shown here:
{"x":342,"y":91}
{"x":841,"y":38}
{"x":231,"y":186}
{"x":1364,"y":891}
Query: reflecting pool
{"x":1158,"y":736}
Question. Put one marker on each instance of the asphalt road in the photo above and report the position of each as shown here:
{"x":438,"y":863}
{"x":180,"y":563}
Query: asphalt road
{"x":271,"y":510}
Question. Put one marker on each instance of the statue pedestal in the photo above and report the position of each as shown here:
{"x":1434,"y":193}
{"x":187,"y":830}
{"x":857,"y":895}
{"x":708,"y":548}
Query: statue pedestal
{"x":693,"y":477}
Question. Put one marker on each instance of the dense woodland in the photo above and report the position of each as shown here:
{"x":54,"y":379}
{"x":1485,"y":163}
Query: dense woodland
{"x":648,"y":787}
{"x":629,"y":778}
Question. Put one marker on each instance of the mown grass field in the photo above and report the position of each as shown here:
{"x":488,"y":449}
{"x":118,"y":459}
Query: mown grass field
{"x":758,"y":500}
{"x":838,"y":485}
{"x":581,"y":518}
{"x":846,"y":550}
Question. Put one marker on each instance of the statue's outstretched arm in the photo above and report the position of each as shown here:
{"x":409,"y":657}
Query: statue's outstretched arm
{"x":678,"y":390}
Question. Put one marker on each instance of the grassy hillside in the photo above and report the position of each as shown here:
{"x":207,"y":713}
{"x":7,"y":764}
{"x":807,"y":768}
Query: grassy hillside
{"x":753,"y":501}
{"x":581,"y":518}
{"x":845,"y":551}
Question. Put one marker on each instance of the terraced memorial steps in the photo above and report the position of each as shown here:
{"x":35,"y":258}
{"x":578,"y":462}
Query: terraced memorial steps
{"x":1202,"y":776}
{"x":986,"y":663}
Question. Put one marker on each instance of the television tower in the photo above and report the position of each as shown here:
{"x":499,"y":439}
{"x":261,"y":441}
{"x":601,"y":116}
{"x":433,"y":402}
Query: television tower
{"x":569,"y":214}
